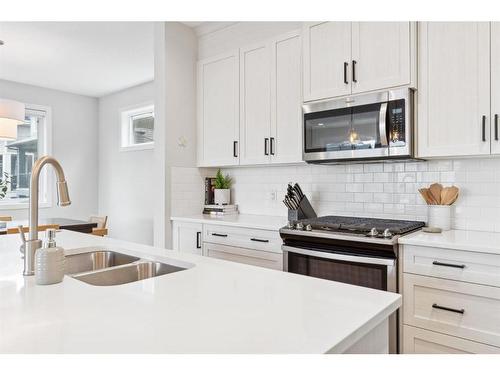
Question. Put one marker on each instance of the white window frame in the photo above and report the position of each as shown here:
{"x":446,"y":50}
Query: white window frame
{"x":126,"y":132}
{"x":47,"y":181}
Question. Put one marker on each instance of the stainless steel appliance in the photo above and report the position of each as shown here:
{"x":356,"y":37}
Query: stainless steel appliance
{"x":359,"y":251}
{"x":369,"y":126}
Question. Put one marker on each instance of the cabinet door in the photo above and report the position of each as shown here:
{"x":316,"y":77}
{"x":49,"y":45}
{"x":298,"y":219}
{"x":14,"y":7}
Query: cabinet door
{"x":380,"y":55}
{"x":286,"y":99}
{"x":495,"y":87}
{"x":187,"y":237}
{"x":454,"y":89}
{"x":218,"y":110}
{"x":255,"y":104}
{"x":327,"y":56}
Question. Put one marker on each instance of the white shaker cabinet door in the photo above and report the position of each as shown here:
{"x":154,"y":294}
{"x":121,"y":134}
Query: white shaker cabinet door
{"x":286,"y":95}
{"x":380,"y":55}
{"x":327,"y":56}
{"x":187,"y":237}
{"x":495,"y":87}
{"x":218,"y":110}
{"x":255,"y":104}
{"x":454,"y":89}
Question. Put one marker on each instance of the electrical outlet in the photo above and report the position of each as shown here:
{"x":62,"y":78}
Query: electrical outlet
{"x":272,"y":195}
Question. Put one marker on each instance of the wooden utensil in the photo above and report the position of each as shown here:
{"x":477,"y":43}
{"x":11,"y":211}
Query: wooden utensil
{"x":449,"y":195}
{"x":435,"y":190}
{"x":426,"y":194}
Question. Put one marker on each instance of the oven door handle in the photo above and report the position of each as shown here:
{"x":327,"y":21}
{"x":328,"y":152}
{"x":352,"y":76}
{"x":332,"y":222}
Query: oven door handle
{"x":343,"y":257}
{"x":382,"y":124}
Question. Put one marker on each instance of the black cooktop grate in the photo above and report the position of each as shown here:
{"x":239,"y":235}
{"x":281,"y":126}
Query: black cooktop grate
{"x":363,"y":224}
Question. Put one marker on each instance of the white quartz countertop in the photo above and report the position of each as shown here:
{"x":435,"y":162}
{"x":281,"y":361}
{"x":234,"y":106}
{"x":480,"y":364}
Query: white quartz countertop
{"x":240,"y":220}
{"x":484,"y":242}
{"x":213,"y":307}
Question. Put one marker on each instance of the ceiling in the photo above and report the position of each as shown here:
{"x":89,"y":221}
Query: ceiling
{"x":87,"y":58}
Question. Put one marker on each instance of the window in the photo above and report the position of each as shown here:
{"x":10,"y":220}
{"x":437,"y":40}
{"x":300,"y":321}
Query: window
{"x":18,"y":156}
{"x":137,"y":128}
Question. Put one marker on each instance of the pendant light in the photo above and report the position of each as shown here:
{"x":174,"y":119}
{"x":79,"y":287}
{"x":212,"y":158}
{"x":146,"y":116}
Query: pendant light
{"x":11,"y":115}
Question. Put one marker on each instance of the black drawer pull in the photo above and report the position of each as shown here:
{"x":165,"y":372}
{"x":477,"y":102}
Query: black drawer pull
{"x":198,"y":240}
{"x":271,"y":147}
{"x":258,"y":240}
{"x":436,"y":263}
{"x":219,"y":235}
{"x":345,"y":73}
{"x":496,"y":127}
{"x":235,"y":149}
{"x":266,"y":146}
{"x":483,"y":125}
{"x":354,"y":62}
{"x":458,"y":311}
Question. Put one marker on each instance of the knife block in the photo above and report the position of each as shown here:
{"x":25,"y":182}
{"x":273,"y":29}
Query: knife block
{"x":305,"y":211}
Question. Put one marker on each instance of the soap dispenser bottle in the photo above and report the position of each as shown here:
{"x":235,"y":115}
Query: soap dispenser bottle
{"x":49,"y":261}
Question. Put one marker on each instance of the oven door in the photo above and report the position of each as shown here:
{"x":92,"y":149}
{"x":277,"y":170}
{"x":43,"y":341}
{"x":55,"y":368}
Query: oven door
{"x":370,"y":272}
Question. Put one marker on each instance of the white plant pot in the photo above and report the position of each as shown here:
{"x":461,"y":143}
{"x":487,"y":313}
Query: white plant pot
{"x":222,"y":196}
{"x":439,"y":216}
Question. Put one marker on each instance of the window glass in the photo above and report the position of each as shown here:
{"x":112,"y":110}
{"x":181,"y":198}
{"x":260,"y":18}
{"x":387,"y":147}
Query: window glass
{"x":137,"y":129}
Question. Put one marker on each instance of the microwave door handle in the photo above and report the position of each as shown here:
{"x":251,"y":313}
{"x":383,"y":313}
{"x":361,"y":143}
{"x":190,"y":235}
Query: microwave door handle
{"x":342,"y":257}
{"x":382,"y":125}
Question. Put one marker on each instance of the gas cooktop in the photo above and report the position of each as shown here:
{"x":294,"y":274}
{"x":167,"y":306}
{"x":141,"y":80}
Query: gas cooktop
{"x":357,"y":226}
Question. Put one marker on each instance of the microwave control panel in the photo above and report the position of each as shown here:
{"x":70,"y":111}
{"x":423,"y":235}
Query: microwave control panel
{"x":396,"y":129}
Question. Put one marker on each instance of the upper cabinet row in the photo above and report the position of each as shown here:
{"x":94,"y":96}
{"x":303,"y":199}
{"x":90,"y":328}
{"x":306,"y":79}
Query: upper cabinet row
{"x":250,"y":99}
{"x":458,"y":89}
{"x":343,"y":58}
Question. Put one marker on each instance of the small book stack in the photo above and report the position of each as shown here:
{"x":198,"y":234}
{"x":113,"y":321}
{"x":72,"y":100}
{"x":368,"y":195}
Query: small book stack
{"x":218,"y":210}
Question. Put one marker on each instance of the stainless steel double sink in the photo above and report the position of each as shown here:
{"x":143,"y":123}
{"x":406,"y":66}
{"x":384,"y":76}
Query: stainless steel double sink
{"x":104,"y":267}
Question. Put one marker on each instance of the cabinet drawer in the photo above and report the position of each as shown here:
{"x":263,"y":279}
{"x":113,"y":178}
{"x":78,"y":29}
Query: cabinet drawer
{"x":421,"y":341}
{"x":480,"y":268}
{"x":459,"y":309}
{"x":247,"y":256}
{"x":265,"y":240}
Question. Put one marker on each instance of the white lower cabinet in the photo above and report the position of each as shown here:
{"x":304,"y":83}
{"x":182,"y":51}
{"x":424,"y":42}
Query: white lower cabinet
{"x":451,"y":301}
{"x":256,"y":247}
{"x":187,"y":237}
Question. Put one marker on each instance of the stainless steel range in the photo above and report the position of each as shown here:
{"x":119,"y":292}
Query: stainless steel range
{"x":359,"y":251}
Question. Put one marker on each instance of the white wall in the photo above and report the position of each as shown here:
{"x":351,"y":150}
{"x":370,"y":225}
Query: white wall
{"x":74,"y":135}
{"x":125,"y":177}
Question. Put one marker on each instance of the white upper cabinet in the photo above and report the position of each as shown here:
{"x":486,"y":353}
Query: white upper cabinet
{"x":255,"y":104}
{"x":495,"y":87}
{"x":327,"y":56}
{"x":454,"y":89}
{"x":286,"y":99}
{"x":218,"y":110}
{"x":380,"y":55}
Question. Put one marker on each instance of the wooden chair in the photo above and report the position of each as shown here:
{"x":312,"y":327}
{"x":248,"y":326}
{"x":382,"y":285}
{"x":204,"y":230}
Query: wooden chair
{"x":5,"y":218}
{"x":41,"y":228}
{"x":101,"y":229}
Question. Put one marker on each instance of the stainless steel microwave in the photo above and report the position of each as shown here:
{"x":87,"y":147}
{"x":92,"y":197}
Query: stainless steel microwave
{"x":369,"y":126}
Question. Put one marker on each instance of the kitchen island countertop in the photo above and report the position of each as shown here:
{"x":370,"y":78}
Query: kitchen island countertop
{"x":214,"y":306}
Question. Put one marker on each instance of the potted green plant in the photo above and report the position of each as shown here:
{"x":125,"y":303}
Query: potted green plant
{"x":4,"y":185}
{"x":222,"y":191}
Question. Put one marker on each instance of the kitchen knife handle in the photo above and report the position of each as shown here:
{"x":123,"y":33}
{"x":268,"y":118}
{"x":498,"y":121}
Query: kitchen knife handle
{"x":198,"y":240}
{"x":483,"y":125}
{"x":272,"y":145}
{"x":266,"y":146}
{"x":345,"y":73}
{"x":458,"y":311}
{"x":235,"y":149}
{"x":354,"y":62}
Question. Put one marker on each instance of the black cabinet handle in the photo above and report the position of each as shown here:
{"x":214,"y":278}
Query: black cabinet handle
{"x":235,"y":149}
{"x":198,"y":240}
{"x":484,"y":128}
{"x":496,"y":127}
{"x":219,"y":235}
{"x":345,"y":73}
{"x":458,"y":311}
{"x":258,"y":240}
{"x":354,"y":62}
{"x":272,"y":145}
{"x":462,"y":266}
{"x":266,"y":146}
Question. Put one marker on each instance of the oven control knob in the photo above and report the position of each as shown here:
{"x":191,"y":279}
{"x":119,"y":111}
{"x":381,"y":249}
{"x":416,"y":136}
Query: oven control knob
{"x":308,"y":227}
{"x":299,"y":226}
{"x":373,"y":232}
{"x":387,"y":233}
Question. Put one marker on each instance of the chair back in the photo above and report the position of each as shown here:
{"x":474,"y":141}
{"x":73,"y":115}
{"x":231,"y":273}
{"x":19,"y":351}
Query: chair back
{"x":5,"y":218}
{"x":100,"y":220}
{"x":41,"y":228}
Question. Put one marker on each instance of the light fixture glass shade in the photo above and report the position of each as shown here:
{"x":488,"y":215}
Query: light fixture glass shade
{"x":11,"y":115}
